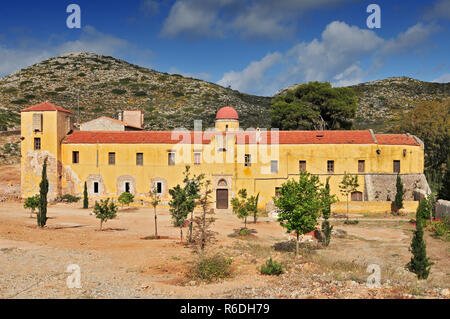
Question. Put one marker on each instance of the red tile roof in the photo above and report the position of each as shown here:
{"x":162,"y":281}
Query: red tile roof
{"x":133,"y":137}
{"x":284,"y":137}
{"x":396,"y":139}
{"x":227,"y":113}
{"x":45,"y":106}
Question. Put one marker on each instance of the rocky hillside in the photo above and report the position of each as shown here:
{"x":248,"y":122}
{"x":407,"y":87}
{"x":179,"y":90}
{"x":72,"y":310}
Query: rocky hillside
{"x":381,"y":103}
{"x":91,"y":85}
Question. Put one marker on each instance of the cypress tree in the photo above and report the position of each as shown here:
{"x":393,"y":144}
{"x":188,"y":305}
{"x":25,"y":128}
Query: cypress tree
{"x":43,"y":190}
{"x":85,"y":197}
{"x":398,"y":201}
{"x":326,"y":212}
{"x":420,"y":264}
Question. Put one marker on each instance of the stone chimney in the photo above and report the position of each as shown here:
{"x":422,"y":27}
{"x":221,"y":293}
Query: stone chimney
{"x":135,"y":118}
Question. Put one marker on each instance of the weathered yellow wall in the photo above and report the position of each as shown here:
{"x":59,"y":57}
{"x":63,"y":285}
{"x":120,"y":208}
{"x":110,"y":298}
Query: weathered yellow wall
{"x":256,"y":178}
{"x":54,"y":129}
{"x":372,"y":207}
{"x":66,"y":177}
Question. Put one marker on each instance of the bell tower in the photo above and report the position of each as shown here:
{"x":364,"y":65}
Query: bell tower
{"x":43,"y":127}
{"x":227,"y":119}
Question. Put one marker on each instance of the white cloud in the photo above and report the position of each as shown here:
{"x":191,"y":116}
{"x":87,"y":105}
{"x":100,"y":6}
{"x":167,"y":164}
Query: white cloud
{"x":445,"y":78}
{"x":91,"y":40}
{"x":150,"y":7}
{"x":254,"y":18}
{"x":440,"y":10}
{"x":411,"y":38}
{"x":335,"y":57}
{"x":252,"y":78}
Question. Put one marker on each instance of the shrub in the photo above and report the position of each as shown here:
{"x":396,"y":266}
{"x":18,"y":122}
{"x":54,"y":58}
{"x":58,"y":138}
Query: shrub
{"x":118,"y":91}
{"x":31,"y":203}
{"x":212,"y":268}
{"x":69,"y":198}
{"x":271,"y":267}
{"x":351,"y":222}
{"x":244,"y":232}
{"x":126,"y":198}
{"x":438,"y":227}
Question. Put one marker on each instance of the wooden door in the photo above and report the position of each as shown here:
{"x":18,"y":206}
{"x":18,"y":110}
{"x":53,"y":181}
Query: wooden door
{"x":222,"y":199}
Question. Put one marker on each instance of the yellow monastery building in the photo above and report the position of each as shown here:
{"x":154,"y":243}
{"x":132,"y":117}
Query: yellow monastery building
{"x":117,"y":155}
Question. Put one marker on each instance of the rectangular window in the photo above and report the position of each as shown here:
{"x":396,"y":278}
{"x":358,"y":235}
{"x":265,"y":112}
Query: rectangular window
{"x":248,"y":160}
{"x":197,"y":158}
{"x":361,"y":166}
{"x":171,"y":158}
{"x":274,"y":167}
{"x":37,"y":143}
{"x":75,"y":157}
{"x":95,"y":187}
{"x":396,"y":166}
{"x":330,"y":166}
{"x":277,"y":191}
{"x":140,"y":159}
{"x":159,"y":187}
{"x":37,"y":122}
{"x":302,"y":166}
{"x":112,"y":158}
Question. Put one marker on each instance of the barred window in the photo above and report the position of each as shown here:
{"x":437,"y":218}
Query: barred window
{"x":330,"y":166}
{"x":112,"y":158}
{"x":140,"y":159}
{"x":248,"y":160}
{"x":37,"y":143}
{"x":197,"y":158}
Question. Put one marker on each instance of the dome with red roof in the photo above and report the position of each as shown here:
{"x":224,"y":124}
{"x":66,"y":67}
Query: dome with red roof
{"x":227,"y":113}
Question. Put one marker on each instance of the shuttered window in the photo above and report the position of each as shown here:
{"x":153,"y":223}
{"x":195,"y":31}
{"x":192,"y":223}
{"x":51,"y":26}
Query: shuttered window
{"x":274,"y":166}
{"x":361,"y":166}
{"x":171,"y":158}
{"x":37,"y":122}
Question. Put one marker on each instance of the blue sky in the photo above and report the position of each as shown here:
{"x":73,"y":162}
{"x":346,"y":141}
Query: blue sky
{"x":256,"y":46}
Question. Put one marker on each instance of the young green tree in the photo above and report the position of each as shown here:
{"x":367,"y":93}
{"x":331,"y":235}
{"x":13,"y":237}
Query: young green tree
{"x":31,"y":203}
{"x":400,"y":193}
{"x":85,"y":197}
{"x":43,"y":191}
{"x":192,"y":189}
{"x":327,"y":200}
{"x":126,"y":198}
{"x":155,"y":199}
{"x":179,"y":207}
{"x":348,"y":185}
{"x":419,"y":263}
{"x":202,"y":233}
{"x":240,"y":205}
{"x":299,"y":204}
{"x":252,"y":206}
{"x":104,"y":211}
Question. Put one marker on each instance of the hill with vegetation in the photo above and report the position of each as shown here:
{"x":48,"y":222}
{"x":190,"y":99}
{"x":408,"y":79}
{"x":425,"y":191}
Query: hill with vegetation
{"x":92,"y":85}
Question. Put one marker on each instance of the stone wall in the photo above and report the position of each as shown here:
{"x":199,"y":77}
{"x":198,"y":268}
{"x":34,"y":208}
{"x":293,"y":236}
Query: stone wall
{"x":442,"y":209}
{"x":382,"y":187}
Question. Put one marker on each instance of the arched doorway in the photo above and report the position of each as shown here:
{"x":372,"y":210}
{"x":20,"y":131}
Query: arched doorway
{"x":222,"y":195}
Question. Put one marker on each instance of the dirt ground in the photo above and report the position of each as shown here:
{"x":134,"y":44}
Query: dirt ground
{"x":119,"y":263}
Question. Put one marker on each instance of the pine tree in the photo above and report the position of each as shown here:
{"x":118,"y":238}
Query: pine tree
{"x":420,"y":264}
{"x":398,"y":201}
{"x":43,"y":191}
{"x":85,"y":197}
